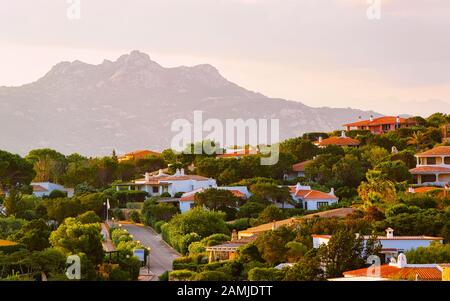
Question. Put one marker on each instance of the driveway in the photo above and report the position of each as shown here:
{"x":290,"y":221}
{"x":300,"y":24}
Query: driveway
{"x":161,"y":255}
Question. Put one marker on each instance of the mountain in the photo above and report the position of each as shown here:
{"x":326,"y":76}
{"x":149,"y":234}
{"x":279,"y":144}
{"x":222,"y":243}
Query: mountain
{"x":130,"y":103}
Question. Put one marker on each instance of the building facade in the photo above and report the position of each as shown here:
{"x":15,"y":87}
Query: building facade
{"x":381,"y":125}
{"x":433,"y":167}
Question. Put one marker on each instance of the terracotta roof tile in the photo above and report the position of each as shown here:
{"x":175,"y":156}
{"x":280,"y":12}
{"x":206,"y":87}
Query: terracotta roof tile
{"x":396,"y":273}
{"x":340,"y":141}
{"x":377,"y":121}
{"x":437,"y":151}
{"x":429,"y":169}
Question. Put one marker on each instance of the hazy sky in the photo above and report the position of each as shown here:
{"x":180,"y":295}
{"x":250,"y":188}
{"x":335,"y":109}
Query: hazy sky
{"x":320,"y":52}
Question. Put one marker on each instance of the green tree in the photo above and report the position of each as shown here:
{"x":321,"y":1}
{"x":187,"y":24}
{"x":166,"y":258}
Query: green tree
{"x":307,"y":269}
{"x":272,"y":245}
{"x":343,"y":252}
{"x":214,"y":198}
{"x":49,"y":165}
{"x":14,"y":170}
{"x":34,"y":234}
{"x":269,"y":214}
{"x":73,"y":237}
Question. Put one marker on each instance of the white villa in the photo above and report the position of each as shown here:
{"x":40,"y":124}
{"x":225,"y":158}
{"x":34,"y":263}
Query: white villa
{"x":391,"y":245}
{"x":156,"y":185}
{"x":312,"y":199}
{"x":433,"y":167}
{"x":41,"y":189}
{"x":187,"y":200}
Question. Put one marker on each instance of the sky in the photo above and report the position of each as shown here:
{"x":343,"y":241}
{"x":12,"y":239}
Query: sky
{"x":319,"y":52}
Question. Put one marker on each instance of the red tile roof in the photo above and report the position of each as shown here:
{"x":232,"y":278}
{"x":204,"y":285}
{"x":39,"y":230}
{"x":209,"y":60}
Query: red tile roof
{"x":377,"y":121}
{"x":340,"y":141}
{"x":39,"y":188}
{"x":437,"y":151}
{"x":300,"y":166}
{"x":429,"y":169}
{"x":396,"y":273}
{"x":311,"y":194}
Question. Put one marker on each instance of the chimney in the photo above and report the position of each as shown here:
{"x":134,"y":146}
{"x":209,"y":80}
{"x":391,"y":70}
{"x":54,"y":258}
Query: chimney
{"x":160,"y":172}
{"x":332,"y":191}
{"x":182,"y":172}
{"x":371,"y":118}
{"x":397,"y":120}
{"x":402,"y":262}
{"x":411,"y":190}
{"x":298,"y":187}
{"x":390,"y":233}
{"x":234,"y":235}
{"x":320,"y":139}
{"x":147,"y":177}
{"x":343,"y":134}
{"x":177,"y":172}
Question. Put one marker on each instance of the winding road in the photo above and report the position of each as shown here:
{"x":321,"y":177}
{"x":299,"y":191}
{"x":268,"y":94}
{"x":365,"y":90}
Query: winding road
{"x":161,"y":254}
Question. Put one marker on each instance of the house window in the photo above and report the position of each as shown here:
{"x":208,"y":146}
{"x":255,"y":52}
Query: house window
{"x":386,"y":127}
{"x":447,"y":160}
{"x":431,"y":161}
{"x":321,"y":204}
{"x":155,"y":189}
{"x":165,"y":189}
{"x":428,"y":178}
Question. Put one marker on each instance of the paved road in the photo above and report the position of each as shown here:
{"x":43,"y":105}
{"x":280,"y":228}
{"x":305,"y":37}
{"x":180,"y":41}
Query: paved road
{"x":161,"y":255}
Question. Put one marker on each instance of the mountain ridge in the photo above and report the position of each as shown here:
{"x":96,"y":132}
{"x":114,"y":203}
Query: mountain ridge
{"x":130,"y":103}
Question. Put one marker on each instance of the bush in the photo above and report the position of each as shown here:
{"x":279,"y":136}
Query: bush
{"x":240,"y":224}
{"x":265,"y":274}
{"x":164,"y":276}
{"x":135,"y":205}
{"x":181,"y":275}
{"x":89,"y":217}
{"x":153,"y":212}
{"x":118,"y":274}
{"x":212,"y":276}
{"x":54,"y":194}
{"x":165,"y":195}
{"x":134,"y":216}
{"x":158,"y":226}
{"x":250,"y":209}
{"x":125,"y":196}
{"x":179,"y":231}
{"x":118,"y":214}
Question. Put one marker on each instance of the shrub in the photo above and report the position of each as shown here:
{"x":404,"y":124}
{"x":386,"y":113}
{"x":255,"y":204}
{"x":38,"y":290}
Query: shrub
{"x":158,"y":226}
{"x":126,"y":196}
{"x":165,"y":195}
{"x":250,"y":209}
{"x":240,"y":224}
{"x":164,"y":276}
{"x":89,"y":217}
{"x":118,"y":274}
{"x":134,"y":216}
{"x":179,"y":231}
{"x":212,"y":276}
{"x":265,"y":274}
{"x":118,"y":214}
{"x":135,"y":205}
{"x":181,"y":275}
{"x":153,"y":212}
{"x":54,"y":194}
